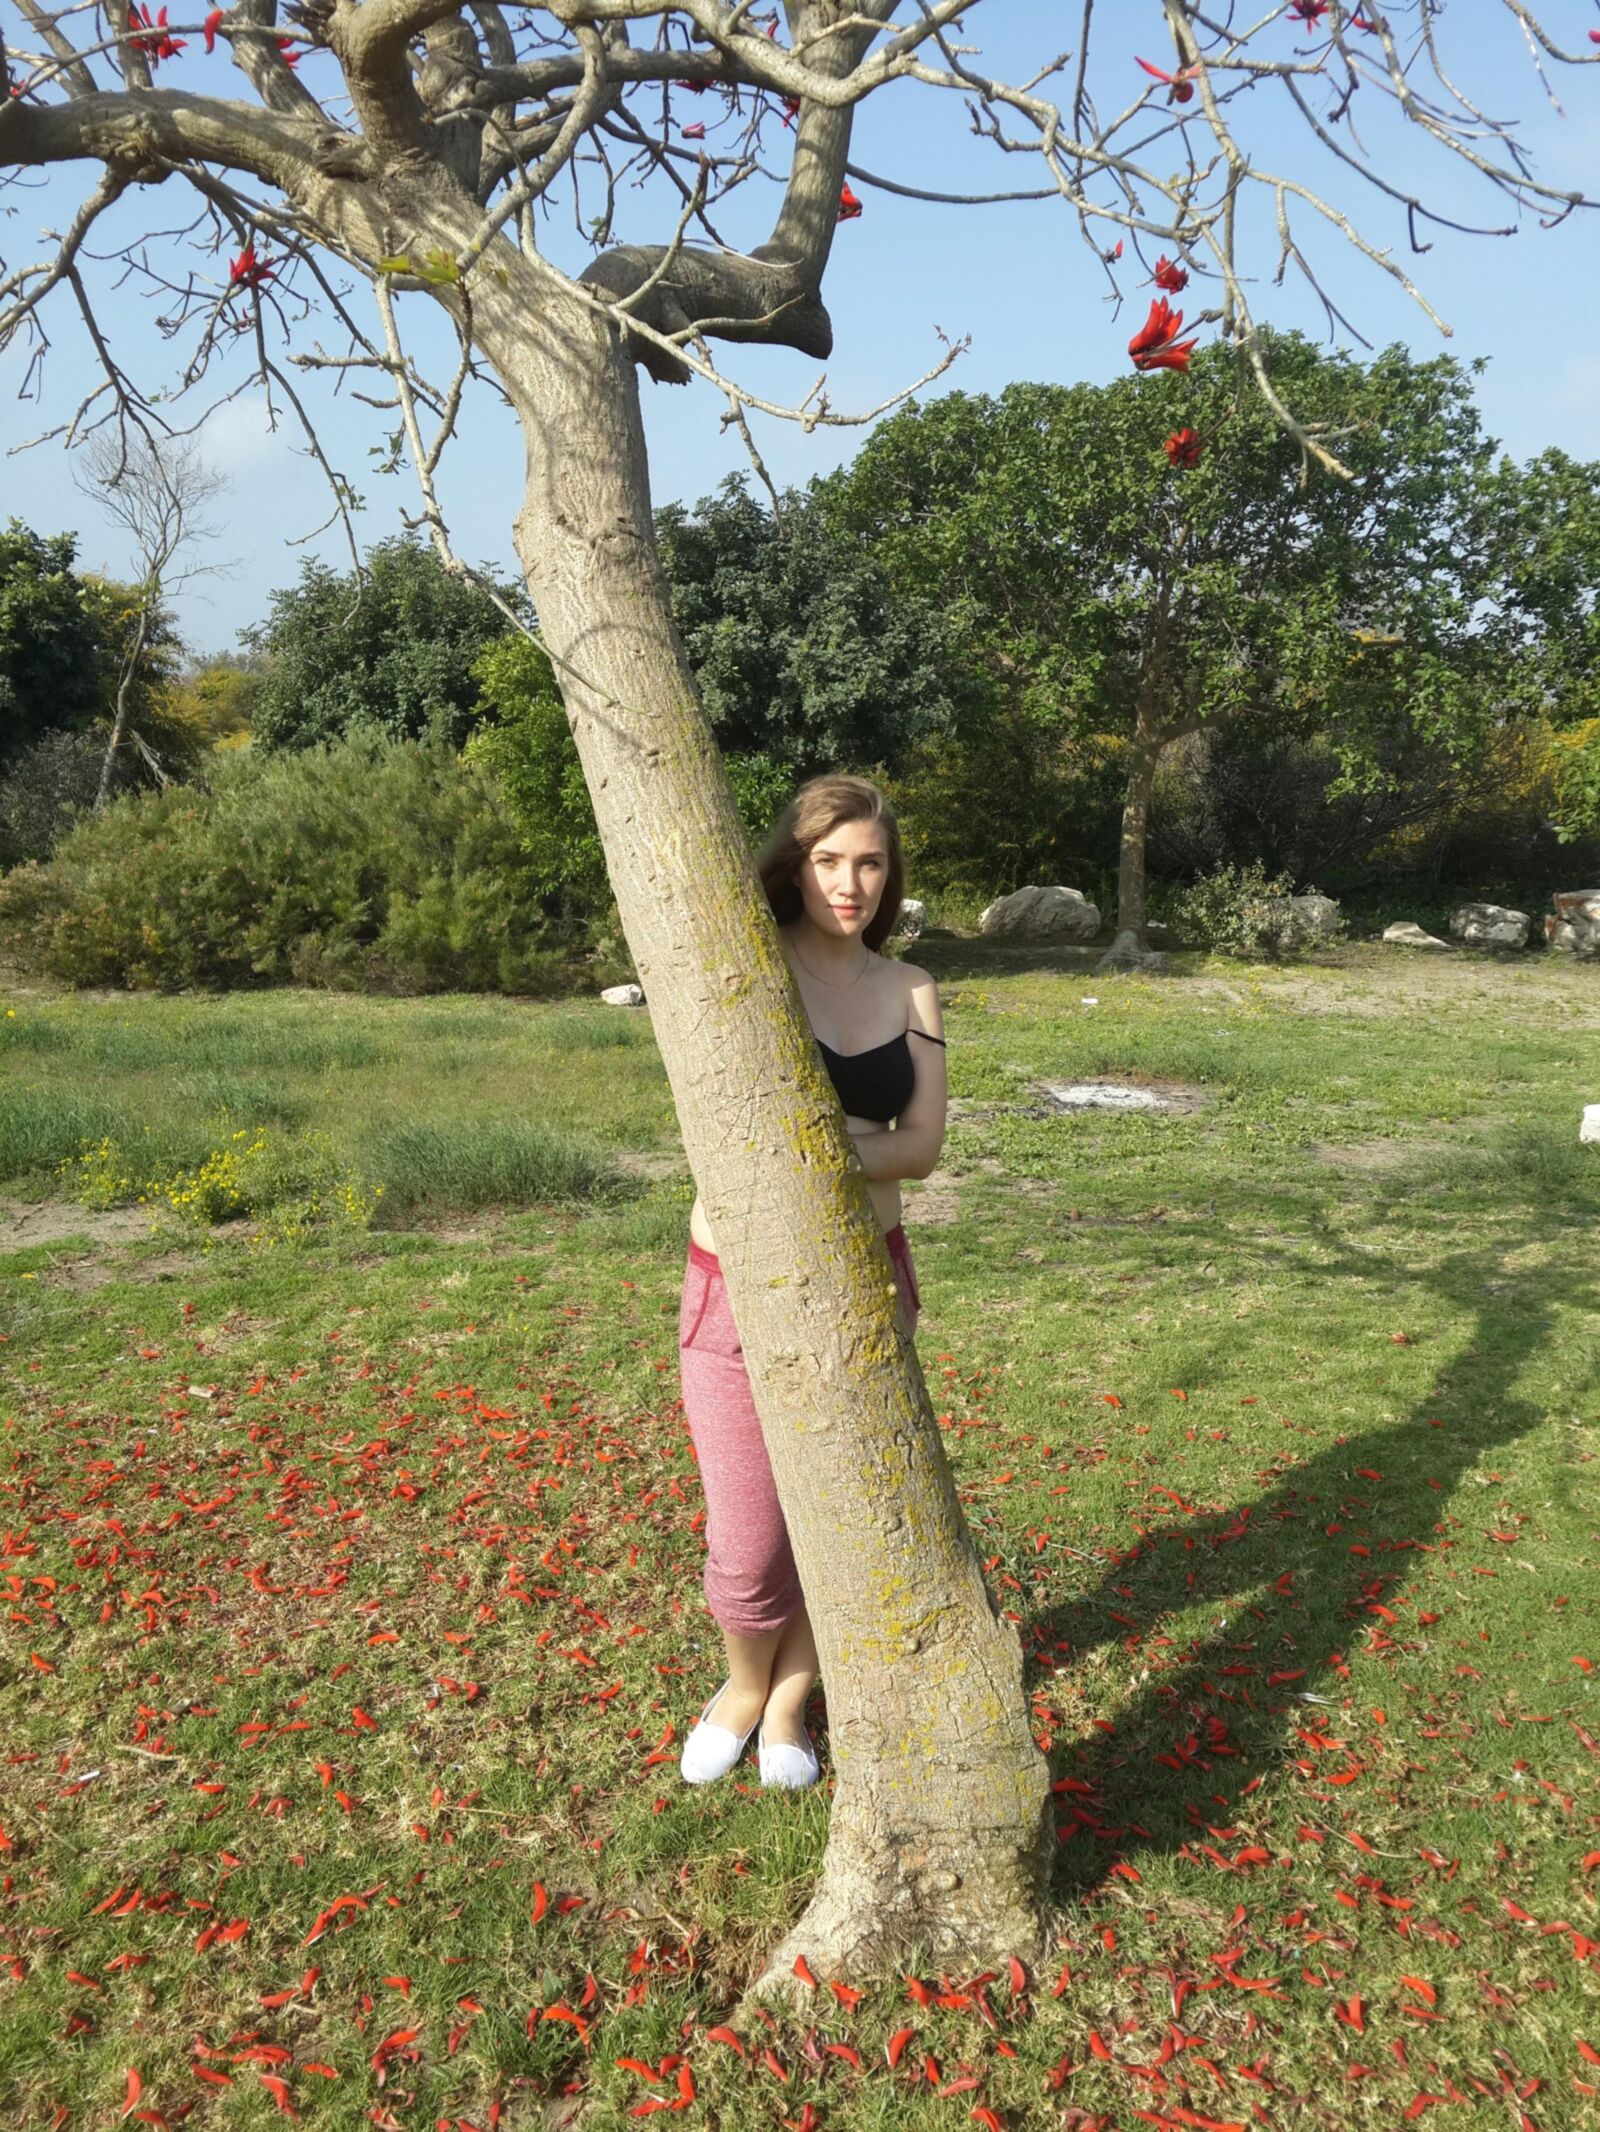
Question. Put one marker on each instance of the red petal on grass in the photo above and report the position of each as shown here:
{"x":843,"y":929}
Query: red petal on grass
{"x":923,"y":1993}
{"x":1590,"y":1860}
{"x":726,"y":2035}
{"x":1019,"y":1978}
{"x":774,"y":2064}
{"x":135,"y":2090}
{"x":802,"y":1969}
{"x":328,"y":2072}
{"x":846,"y":2051}
{"x":897,"y":2044}
{"x":1351,"y":2013}
{"x":540,"y":1900}
{"x":987,"y":2117}
{"x":368,"y":1724}
{"x":638,"y":2065}
{"x":43,"y":1664}
{"x":279,"y":2091}
{"x":846,"y":1994}
{"x":1588,"y":2051}
{"x":1424,"y":1990}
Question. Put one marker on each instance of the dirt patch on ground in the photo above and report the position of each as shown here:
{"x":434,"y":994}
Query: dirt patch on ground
{"x":936,"y":1200}
{"x":52,"y":1221}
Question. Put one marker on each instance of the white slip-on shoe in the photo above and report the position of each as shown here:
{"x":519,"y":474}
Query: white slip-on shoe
{"x":785,"y":1767}
{"x":712,"y":1750}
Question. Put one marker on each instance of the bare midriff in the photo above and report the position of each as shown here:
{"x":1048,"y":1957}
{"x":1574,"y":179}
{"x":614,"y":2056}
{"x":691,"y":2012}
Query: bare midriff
{"x":884,"y":1192}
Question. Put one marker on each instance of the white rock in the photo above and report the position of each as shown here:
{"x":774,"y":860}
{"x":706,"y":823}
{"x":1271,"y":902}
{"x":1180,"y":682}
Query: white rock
{"x":1590,"y":1127}
{"x":1408,"y":935}
{"x":623,"y":996}
{"x":1042,"y":914}
{"x":1490,"y":925}
{"x":913,"y":917}
{"x":1575,"y":928}
{"x":1320,"y":915}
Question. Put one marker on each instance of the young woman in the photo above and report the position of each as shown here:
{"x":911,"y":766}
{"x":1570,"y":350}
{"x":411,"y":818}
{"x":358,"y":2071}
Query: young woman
{"x":833,"y":873}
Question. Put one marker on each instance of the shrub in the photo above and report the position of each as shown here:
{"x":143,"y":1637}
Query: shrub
{"x":389,"y":865}
{"x":49,"y":783}
{"x":1240,"y":910}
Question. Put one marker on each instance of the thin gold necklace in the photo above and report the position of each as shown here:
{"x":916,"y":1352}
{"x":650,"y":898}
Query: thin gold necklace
{"x":866,"y":957}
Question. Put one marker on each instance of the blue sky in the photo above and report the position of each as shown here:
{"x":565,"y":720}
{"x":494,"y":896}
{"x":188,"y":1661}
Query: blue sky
{"x":1018,"y":279}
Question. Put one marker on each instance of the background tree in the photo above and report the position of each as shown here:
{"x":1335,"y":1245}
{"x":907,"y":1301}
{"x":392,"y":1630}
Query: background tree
{"x":391,"y":646}
{"x":215,"y":698}
{"x":50,"y":639}
{"x":1144,"y":559}
{"x":155,"y":493}
{"x":803,"y":650}
{"x":1547,"y":515}
{"x":415,"y":150}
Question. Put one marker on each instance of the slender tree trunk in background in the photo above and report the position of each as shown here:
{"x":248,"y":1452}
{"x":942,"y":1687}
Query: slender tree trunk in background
{"x":1129,"y":946}
{"x":119,"y":723}
{"x":940,"y":1835}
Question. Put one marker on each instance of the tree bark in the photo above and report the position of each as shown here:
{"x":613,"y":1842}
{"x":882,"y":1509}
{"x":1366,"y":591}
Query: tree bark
{"x":940,"y":1836}
{"x":119,"y":723}
{"x":1129,"y":948}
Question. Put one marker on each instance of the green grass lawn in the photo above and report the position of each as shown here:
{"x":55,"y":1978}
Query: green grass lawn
{"x":353,"y":1558}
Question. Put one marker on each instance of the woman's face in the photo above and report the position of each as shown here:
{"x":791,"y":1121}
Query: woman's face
{"x":841,"y":879}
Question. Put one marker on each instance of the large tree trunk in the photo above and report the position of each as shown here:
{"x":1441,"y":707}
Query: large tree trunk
{"x":940,"y":1831}
{"x":1129,"y":949}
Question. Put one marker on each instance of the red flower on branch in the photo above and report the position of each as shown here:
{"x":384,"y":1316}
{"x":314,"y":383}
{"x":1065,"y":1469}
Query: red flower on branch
{"x":1183,"y":448}
{"x":213,"y":23}
{"x":695,"y":88}
{"x":1181,"y":84}
{"x":1310,"y":12}
{"x":158,"y":43}
{"x":696,"y":132}
{"x":288,"y":51}
{"x":1170,"y":276}
{"x":791,"y":110}
{"x":1156,"y":345}
{"x":849,"y":205}
{"x":249,"y":272}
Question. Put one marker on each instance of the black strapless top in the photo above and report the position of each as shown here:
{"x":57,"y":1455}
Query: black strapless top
{"x":874,"y":1084}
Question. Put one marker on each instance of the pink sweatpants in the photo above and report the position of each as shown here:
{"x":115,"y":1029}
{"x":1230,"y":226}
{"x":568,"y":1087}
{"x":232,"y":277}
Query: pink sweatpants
{"x":750,"y":1580}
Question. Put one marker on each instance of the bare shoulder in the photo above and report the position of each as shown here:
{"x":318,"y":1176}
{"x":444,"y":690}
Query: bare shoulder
{"x":922,"y":999}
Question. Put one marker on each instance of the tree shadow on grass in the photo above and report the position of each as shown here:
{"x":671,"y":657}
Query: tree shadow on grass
{"x":1295,"y":1576}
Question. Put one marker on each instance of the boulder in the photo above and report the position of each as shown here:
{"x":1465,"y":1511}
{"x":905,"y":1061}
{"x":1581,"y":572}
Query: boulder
{"x":1041,"y":914}
{"x":1490,"y":925}
{"x":1408,"y":935}
{"x":1320,"y":917}
{"x":1590,"y":1127}
{"x":913,"y":917}
{"x":623,"y":996}
{"x":1575,"y":928}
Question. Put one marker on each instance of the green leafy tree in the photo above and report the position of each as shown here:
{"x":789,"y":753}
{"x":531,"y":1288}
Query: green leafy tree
{"x":1152,"y":558}
{"x":526,"y":742}
{"x":51,"y":652}
{"x":394,"y":650}
{"x":1547,"y":514}
{"x":804,"y":650}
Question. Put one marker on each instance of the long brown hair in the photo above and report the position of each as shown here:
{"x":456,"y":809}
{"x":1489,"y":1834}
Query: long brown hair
{"x":821,"y":804}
